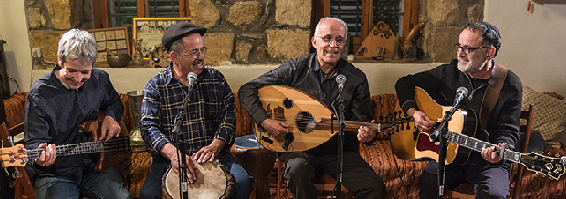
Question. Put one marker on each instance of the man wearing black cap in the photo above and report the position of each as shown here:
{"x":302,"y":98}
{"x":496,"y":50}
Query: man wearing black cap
{"x":489,"y":85}
{"x":208,"y":122}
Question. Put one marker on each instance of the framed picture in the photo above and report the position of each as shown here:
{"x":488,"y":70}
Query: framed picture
{"x":151,"y":30}
{"x":114,"y":38}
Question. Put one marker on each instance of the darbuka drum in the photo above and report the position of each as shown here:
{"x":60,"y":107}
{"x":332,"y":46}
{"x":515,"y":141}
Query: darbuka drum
{"x":212,"y":182}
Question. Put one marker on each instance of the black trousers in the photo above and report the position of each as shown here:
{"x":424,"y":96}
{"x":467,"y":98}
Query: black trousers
{"x":357,"y":176}
{"x":489,"y":181}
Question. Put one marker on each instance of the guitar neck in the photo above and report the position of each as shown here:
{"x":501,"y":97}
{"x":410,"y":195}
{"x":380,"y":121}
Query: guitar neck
{"x":70,"y":149}
{"x":115,"y":144}
{"x":477,"y":145}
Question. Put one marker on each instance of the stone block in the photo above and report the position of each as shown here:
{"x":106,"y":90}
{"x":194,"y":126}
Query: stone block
{"x":35,"y":18}
{"x":48,"y":42}
{"x":219,"y":46}
{"x":261,"y":52}
{"x":204,"y":13}
{"x":441,"y":43}
{"x":242,"y":51}
{"x":284,"y":44}
{"x":245,"y":14}
{"x":59,"y":13}
{"x":444,"y":12}
{"x":293,"y":12}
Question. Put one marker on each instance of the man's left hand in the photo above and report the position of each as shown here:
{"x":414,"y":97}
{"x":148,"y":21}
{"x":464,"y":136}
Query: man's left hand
{"x":110,"y":128}
{"x":365,"y":134}
{"x":209,"y":152}
{"x":490,"y":154}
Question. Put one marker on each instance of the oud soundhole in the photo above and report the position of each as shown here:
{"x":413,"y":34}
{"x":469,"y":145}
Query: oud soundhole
{"x":305,"y":122}
{"x":288,"y":103}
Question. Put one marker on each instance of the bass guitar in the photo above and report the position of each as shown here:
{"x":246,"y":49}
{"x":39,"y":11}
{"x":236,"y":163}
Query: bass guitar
{"x":414,"y":145}
{"x":310,"y":121}
{"x":114,"y":153}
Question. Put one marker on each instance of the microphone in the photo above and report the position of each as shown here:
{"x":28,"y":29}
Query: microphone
{"x":341,"y":80}
{"x":192,"y":77}
{"x":461,"y":93}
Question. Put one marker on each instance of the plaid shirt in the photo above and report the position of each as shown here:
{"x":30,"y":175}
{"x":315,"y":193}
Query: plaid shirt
{"x":210,"y":115}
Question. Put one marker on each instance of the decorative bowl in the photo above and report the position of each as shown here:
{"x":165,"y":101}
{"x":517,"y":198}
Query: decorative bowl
{"x":118,"y":61}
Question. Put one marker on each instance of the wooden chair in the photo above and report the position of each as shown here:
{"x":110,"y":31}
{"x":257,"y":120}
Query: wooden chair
{"x":22,"y":184}
{"x":465,"y":191}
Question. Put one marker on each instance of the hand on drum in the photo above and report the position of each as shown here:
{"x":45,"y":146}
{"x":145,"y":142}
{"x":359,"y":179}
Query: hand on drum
{"x":209,"y":152}
{"x":191,"y":169}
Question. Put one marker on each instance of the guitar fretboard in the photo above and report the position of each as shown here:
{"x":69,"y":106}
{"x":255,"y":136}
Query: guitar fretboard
{"x":82,"y":148}
{"x":477,"y":145}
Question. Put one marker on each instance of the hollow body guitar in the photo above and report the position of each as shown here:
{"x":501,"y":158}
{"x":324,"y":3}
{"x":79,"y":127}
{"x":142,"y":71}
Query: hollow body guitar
{"x":310,"y":121}
{"x":115,"y":153}
{"x":414,"y":145}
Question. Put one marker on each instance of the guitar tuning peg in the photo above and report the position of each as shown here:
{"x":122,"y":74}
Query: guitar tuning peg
{"x":381,"y":118}
{"x":402,"y":126}
{"x":396,"y":128}
{"x":408,"y":126}
{"x":386,"y":118}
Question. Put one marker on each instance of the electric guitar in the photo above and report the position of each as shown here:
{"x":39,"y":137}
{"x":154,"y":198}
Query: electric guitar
{"x":115,"y":153}
{"x":414,"y":145}
{"x":310,"y":121}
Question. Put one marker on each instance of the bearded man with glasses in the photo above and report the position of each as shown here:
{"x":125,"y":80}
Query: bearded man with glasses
{"x":489,"y":85}
{"x":316,"y":74}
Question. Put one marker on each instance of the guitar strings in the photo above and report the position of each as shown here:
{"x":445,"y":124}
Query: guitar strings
{"x":113,"y":145}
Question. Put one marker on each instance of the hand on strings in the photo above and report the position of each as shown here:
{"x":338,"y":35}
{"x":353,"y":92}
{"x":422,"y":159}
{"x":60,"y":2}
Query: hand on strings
{"x":110,"y":128}
{"x":275,"y":127}
{"x":170,"y":151}
{"x":47,"y":157}
{"x":422,"y":121}
{"x":365,"y":134}
{"x":209,"y":152}
{"x":490,"y":154}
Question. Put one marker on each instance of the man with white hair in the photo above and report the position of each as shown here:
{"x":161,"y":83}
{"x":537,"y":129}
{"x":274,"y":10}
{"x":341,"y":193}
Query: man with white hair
{"x":57,"y":103}
{"x":316,"y":74}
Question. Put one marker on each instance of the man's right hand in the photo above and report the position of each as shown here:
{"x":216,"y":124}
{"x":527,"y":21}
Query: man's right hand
{"x":422,"y":121}
{"x":47,"y":157}
{"x":275,"y":127}
{"x":170,"y":152}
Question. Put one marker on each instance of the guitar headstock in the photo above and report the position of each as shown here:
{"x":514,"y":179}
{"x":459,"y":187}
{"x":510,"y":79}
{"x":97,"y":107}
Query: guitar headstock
{"x":14,"y":156}
{"x":552,"y":167}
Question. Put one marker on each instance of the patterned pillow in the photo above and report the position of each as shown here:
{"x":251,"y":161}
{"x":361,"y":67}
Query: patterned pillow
{"x":550,"y":113}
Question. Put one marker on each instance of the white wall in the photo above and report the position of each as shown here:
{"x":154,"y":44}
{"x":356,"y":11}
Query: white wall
{"x":533,"y":42}
{"x":381,"y":77}
{"x":14,"y":30}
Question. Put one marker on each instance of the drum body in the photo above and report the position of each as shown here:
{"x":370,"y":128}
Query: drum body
{"x":212,"y":182}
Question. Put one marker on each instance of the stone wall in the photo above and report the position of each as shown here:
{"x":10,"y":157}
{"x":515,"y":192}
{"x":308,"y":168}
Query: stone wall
{"x":245,"y":32}
{"x":445,"y":20}
{"x":252,"y":31}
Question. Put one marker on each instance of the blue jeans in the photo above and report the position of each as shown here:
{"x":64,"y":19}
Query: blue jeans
{"x":151,"y":188}
{"x":95,"y":185}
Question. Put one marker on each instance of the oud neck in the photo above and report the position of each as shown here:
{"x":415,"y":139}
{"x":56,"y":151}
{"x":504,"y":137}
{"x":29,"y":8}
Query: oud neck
{"x":477,"y":145}
{"x":351,"y":126}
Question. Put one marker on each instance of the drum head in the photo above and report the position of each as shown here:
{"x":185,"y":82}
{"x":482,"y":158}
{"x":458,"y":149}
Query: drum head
{"x":247,"y":142}
{"x":210,"y":184}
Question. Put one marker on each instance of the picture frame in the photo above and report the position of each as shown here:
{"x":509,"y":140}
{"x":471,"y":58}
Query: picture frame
{"x":151,"y":30}
{"x":114,"y":38}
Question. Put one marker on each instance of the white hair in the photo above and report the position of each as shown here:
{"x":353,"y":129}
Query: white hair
{"x":77,"y":44}
{"x":330,"y":18}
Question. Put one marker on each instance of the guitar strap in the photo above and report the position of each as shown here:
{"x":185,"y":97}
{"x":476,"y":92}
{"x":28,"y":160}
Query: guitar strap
{"x":495,"y":83}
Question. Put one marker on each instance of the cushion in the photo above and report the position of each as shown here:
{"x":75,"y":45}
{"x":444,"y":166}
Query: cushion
{"x":550,"y":113}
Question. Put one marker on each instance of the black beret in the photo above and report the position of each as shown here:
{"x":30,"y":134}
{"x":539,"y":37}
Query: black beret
{"x":178,"y":31}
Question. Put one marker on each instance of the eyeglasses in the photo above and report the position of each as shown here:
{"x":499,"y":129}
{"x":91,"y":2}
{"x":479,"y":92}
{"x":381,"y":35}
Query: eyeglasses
{"x":196,"y":52}
{"x":466,"y":49}
{"x":328,"y":38}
